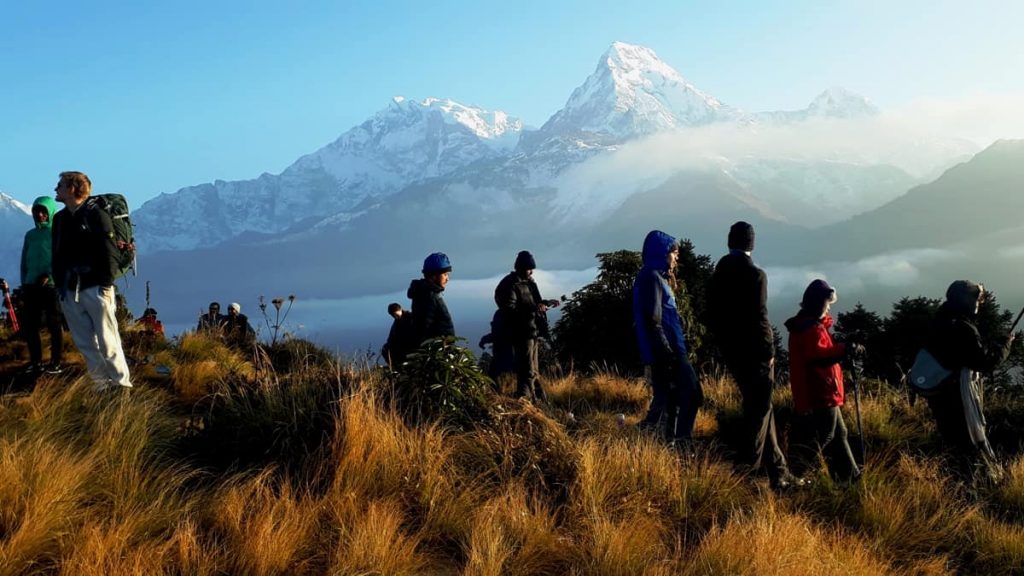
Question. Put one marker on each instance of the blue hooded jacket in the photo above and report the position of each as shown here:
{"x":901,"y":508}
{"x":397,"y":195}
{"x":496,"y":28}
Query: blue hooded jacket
{"x":659,"y":329}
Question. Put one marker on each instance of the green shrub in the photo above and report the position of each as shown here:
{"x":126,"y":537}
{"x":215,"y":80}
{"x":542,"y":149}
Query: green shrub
{"x":441,"y":380}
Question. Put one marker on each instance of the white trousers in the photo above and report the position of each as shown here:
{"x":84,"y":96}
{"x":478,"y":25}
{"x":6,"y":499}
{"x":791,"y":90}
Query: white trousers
{"x":93,"y":327}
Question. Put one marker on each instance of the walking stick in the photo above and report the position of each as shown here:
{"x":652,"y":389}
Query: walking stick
{"x":1015,"y":322}
{"x":857,"y":368}
{"x":10,"y":308}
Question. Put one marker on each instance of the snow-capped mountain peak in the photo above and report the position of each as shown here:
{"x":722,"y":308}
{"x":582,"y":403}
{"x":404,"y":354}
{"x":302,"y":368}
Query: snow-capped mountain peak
{"x":634,"y":93}
{"x":405,"y":142}
{"x":496,"y":126}
{"x":10,"y":205}
{"x":834,"y":103}
{"x":838,"y":102}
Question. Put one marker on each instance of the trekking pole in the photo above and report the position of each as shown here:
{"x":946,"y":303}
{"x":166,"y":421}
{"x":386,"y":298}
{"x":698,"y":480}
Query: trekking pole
{"x":857,"y":368}
{"x":1015,"y":322}
{"x":147,"y":294}
{"x":11,"y":314}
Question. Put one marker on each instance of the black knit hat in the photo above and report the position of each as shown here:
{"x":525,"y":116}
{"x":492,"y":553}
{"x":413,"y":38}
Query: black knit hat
{"x":817,"y":294}
{"x":741,"y":237}
{"x":525,"y":261}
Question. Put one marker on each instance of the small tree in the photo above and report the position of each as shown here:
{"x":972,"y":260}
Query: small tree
{"x":905,"y":331}
{"x":596,"y":326}
{"x":865,"y":327}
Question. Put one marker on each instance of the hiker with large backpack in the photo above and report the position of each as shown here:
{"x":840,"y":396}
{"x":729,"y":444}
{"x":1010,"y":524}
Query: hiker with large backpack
{"x":39,"y":296}
{"x":816,"y":378}
{"x":88,"y":255}
{"x":954,"y":346}
{"x":429,"y":311}
{"x":738,"y":312}
{"x":662,"y":341}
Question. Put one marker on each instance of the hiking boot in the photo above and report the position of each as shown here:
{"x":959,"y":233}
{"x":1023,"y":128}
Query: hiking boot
{"x":33,"y":368}
{"x":787,"y":482}
{"x":54,"y":368}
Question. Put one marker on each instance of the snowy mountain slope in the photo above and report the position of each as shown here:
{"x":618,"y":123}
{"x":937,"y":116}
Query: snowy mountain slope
{"x":405,"y":142}
{"x":631,"y":93}
{"x":15,"y":220}
{"x":456,"y":172}
{"x":836,"y":102}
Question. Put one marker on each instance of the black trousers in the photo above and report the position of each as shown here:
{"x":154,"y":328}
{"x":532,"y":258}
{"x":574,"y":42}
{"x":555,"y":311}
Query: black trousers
{"x":823,"y":431}
{"x":41,"y":307}
{"x":677,"y":395}
{"x":760,"y":445}
{"x":527,"y":360}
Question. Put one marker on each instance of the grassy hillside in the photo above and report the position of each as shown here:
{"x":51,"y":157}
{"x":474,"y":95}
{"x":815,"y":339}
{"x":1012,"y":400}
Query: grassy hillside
{"x":287,"y":461}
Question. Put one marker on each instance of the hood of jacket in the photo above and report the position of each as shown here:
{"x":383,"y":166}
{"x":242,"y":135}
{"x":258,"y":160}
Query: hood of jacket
{"x":422,"y":287}
{"x":804,"y":321}
{"x":48,"y":204}
{"x":657,"y":245}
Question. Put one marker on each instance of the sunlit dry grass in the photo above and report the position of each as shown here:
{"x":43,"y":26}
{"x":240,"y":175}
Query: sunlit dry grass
{"x":338,"y":482}
{"x":770,"y":541}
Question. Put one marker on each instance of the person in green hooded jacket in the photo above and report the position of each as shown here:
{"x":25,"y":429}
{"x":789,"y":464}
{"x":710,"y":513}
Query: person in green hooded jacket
{"x":41,"y":305}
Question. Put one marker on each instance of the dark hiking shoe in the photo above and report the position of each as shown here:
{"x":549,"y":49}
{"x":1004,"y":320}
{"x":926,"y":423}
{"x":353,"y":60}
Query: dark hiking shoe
{"x":33,"y":368}
{"x":54,"y":368}
{"x":787,"y":482}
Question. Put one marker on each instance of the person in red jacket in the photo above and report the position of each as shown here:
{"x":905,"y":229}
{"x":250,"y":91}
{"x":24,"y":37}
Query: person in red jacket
{"x":817,"y":381}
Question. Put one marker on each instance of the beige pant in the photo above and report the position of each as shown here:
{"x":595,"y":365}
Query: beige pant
{"x":93,"y":327}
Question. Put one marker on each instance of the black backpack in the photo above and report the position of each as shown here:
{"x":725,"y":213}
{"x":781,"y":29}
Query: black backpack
{"x":116,"y":207}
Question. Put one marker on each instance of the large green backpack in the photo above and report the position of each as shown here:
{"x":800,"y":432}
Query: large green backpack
{"x":116,"y":207}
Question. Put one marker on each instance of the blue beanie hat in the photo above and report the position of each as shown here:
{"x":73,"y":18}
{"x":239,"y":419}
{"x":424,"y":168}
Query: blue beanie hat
{"x":437,"y":263}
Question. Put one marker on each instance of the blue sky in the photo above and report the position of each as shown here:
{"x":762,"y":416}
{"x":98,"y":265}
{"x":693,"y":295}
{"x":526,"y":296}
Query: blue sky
{"x":151,"y":97}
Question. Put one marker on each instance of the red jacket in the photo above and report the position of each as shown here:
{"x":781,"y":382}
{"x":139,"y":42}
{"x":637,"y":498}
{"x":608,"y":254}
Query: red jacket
{"x":814,"y":371}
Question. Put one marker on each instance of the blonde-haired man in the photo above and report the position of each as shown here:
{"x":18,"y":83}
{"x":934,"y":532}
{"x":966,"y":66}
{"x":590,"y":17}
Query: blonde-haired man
{"x":84,"y":268}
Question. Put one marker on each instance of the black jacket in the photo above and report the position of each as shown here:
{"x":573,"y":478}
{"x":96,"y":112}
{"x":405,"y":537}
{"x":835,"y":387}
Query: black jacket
{"x":738,"y":309}
{"x":84,"y":251}
{"x":517,"y":299}
{"x":430,"y":315}
{"x":955,"y":342}
{"x":401,"y":339}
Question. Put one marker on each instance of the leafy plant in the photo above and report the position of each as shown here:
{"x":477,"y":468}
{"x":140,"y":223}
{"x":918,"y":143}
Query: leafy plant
{"x":442,"y":380}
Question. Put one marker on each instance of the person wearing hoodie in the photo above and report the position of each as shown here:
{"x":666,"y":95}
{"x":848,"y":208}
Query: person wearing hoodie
{"x":954,"y":341}
{"x":85,"y":264}
{"x":399,"y":337}
{"x":41,"y":305}
{"x":816,"y":378}
{"x":429,"y":312}
{"x":662,"y":341}
{"x":738,"y":313}
{"x":520,"y":305}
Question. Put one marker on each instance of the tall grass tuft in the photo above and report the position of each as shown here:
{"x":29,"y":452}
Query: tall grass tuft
{"x":43,"y":488}
{"x":372,"y":541}
{"x":770,"y":541}
{"x":265,"y":527}
{"x":515,"y":534}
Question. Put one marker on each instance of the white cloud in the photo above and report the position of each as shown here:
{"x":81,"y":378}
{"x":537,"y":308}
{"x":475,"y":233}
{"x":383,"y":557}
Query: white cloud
{"x":893,"y":270}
